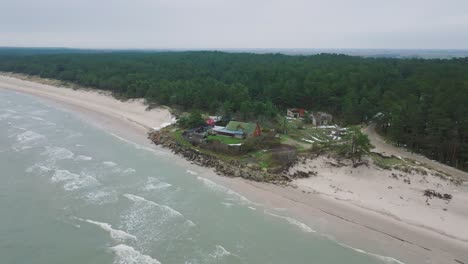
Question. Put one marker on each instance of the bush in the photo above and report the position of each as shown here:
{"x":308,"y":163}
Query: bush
{"x":193,"y":120}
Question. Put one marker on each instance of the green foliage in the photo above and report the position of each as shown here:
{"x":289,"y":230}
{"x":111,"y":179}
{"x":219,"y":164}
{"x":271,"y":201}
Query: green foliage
{"x":423,"y":102}
{"x":225,"y":139}
{"x":356,"y":144}
{"x":193,"y":120}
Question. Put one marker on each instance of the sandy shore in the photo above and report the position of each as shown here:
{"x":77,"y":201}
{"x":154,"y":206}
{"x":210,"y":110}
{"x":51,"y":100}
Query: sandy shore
{"x":350,"y":212}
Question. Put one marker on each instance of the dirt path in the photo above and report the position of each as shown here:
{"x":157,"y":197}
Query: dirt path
{"x":385,"y":148}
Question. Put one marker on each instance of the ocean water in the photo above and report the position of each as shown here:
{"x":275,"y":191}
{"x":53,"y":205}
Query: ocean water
{"x":72,"y":193}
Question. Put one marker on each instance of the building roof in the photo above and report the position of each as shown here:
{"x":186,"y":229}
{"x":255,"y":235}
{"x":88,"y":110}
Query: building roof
{"x":227,"y":131}
{"x":248,"y":128}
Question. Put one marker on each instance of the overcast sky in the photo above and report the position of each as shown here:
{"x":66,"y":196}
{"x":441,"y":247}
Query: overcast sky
{"x":208,"y":24}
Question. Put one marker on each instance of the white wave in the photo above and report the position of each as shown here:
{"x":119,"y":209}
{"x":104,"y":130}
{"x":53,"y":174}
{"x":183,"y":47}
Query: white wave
{"x":252,"y":208}
{"x":155,"y":184}
{"x":109,"y":163}
{"x":101,"y":196}
{"x":292,"y":221}
{"x":115,"y":234}
{"x":82,"y":157}
{"x":191,"y":223}
{"x":227,"y":204}
{"x":73,"y":181}
{"x":139,"y":199}
{"x":29,"y":136}
{"x":37,"y":118}
{"x":191,"y":172}
{"x":38,"y":168}
{"x":128,"y":255}
{"x":138,"y":146}
{"x":219,"y":188}
{"x":79,"y":145}
{"x":129,"y":171}
{"x":220,"y":252}
{"x":58,"y":153}
{"x":383,"y":258}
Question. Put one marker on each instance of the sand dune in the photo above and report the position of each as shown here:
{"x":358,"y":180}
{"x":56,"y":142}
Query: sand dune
{"x":354,"y":206}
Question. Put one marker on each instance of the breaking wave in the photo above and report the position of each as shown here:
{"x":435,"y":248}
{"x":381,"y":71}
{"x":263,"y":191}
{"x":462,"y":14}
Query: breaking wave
{"x":117,"y":235}
{"x":128,"y":255}
{"x":302,"y":226}
{"x":58,"y":153}
{"x":383,"y":258}
{"x":219,"y":252}
{"x":82,"y":157}
{"x":139,"y":199}
{"x":155,"y":184}
{"x":109,"y":163}
{"x":101,"y":196}
{"x":29,"y":136}
{"x":219,"y":188}
{"x":73,"y":181}
{"x":191,"y":172}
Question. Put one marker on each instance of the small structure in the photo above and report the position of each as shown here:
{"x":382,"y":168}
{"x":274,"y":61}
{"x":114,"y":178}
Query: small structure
{"x":196,"y":135}
{"x":295,"y":112}
{"x":211,"y":122}
{"x":238,"y":130}
{"x":321,"y":118}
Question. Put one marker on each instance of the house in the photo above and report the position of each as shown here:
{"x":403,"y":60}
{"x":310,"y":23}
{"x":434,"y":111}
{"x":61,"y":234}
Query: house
{"x":238,"y":129}
{"x":321,"y":118}
{"x":295,"y":112}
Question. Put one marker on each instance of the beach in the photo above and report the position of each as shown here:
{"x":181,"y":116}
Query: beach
{"x":341,"y":203}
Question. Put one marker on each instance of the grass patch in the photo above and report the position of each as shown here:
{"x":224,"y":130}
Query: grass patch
{"x":386,"y":163}
{"x":226,"y":140}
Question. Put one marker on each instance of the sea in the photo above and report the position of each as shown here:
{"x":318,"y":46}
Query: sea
{"x":73,"y":193}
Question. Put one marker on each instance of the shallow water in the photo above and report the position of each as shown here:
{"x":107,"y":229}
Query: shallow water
{"x":71,"y":193}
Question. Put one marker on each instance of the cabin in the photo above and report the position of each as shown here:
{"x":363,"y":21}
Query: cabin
{"x":295,"y":112}
{"x":238,"y":130}
{"x":321,"y":118}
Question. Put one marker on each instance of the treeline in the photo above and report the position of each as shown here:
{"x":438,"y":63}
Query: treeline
{"x":419,"y":103}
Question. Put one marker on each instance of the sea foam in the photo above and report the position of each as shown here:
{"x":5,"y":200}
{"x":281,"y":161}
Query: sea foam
{"x":219,"y":188}
{"x":295,"y":222}
{"x":117,"y":235}
{"x":139,"y":199}
{"x":128,"y":255}
{"x":383,"y":258}
{"x":155,"y":184}
{"x":73,"y":181}
{"x":82,"y":157}
{"x":29,"y":136}
{"x":58,"y":153}
{"x":220,"y":252}
{"x":191,"y":172}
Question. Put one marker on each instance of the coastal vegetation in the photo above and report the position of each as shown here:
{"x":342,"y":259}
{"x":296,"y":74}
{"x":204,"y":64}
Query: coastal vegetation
{"x":420,"y":104}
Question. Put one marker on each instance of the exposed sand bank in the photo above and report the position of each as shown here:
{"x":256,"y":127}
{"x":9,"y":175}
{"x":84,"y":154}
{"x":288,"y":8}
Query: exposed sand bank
{"x":338,"y":215}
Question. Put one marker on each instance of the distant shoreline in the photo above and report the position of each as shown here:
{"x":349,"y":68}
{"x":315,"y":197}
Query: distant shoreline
{"x":361,"y":52}
{"x":351,"y":225}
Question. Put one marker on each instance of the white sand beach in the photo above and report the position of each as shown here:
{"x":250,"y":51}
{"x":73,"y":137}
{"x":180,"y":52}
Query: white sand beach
{"x":366,"y":208}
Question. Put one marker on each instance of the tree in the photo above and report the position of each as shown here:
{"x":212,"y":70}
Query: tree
{"x":193,"y":120}
{"x":356,"y":145}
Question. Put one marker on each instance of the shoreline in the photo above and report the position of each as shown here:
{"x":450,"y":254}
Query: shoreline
{"x":346,"y":223}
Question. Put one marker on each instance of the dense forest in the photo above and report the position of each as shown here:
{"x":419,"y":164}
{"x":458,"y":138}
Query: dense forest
{"x":422,"y":104}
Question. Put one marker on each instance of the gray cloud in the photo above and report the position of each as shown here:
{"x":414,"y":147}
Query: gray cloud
{"x":235,"y":23}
